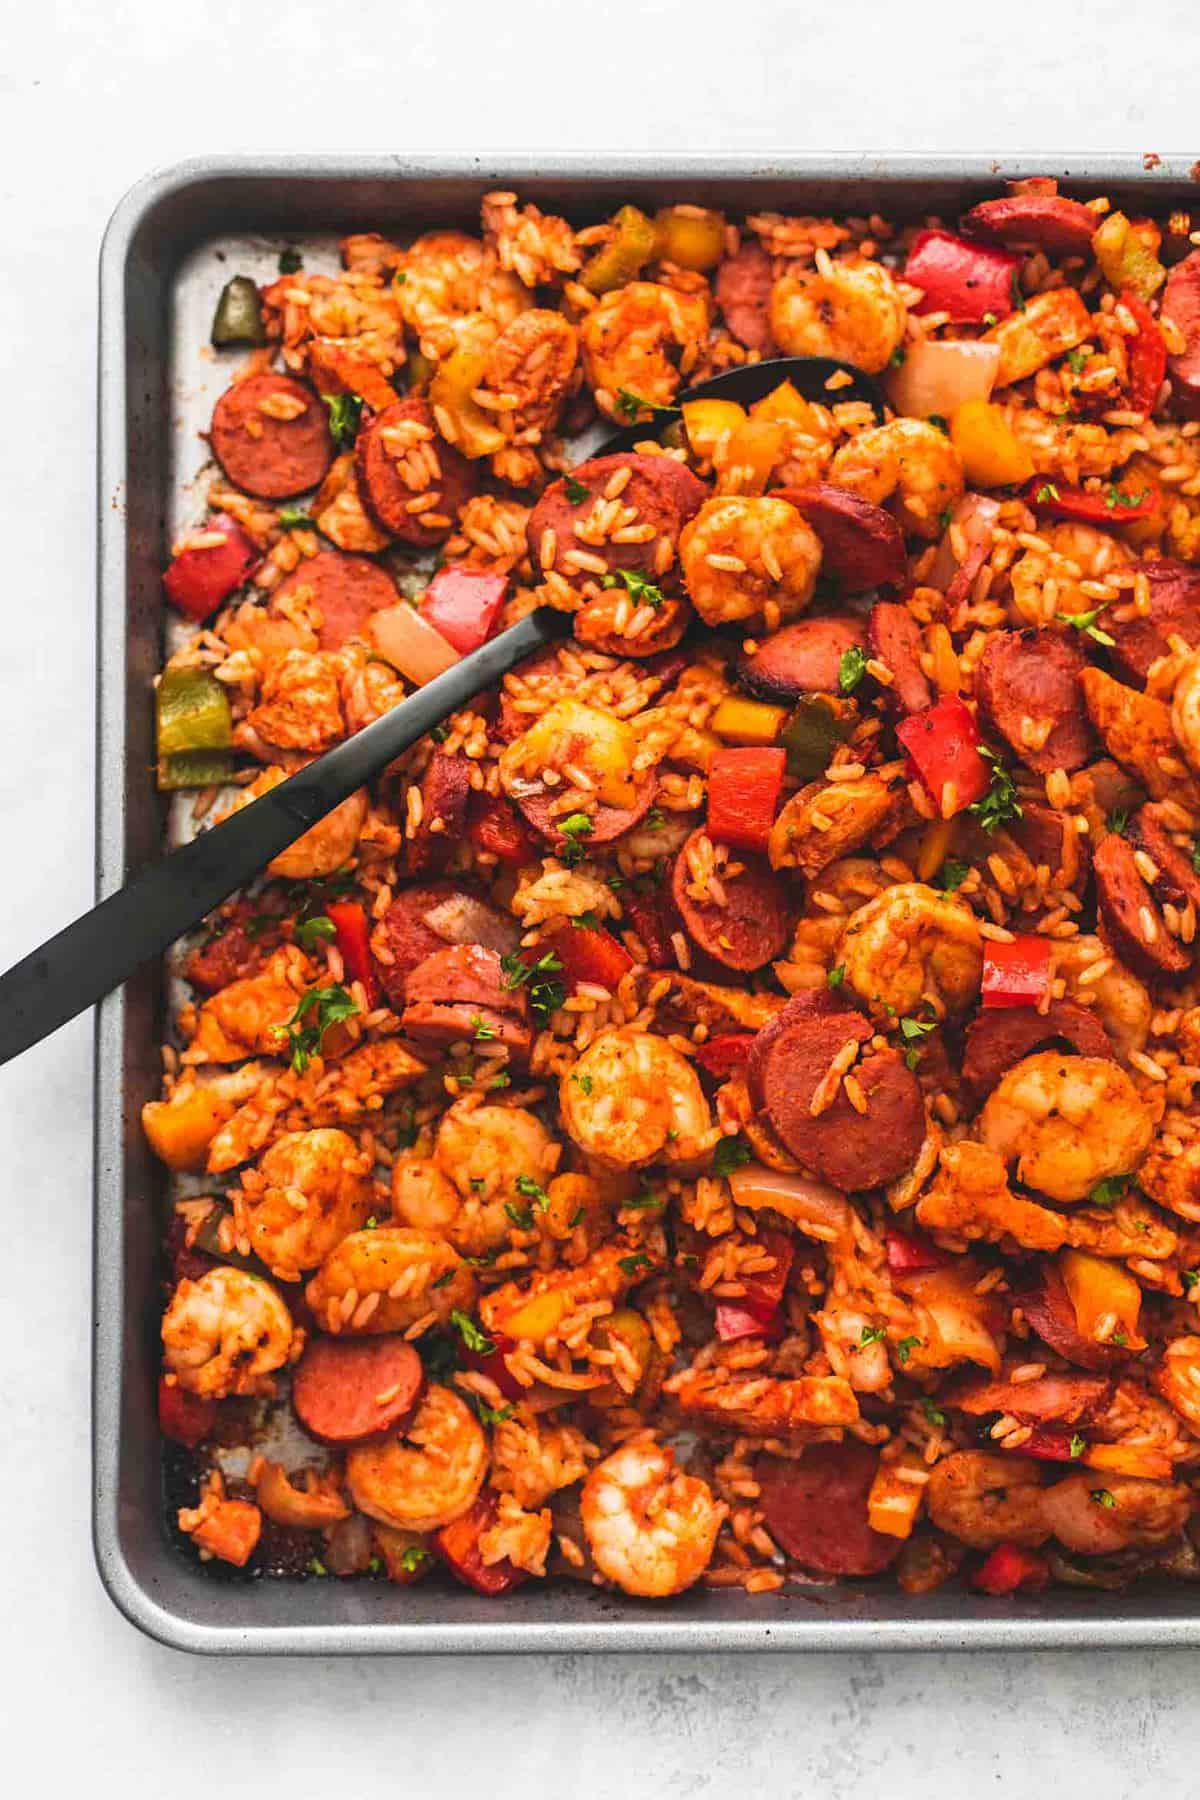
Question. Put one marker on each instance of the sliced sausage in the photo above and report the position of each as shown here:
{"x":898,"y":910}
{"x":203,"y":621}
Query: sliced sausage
{"x":445,"y":791}
{"x":753,"y":923}
{"x":1132,"y":921}
{"x":349,"y":1390}
{"x":437,"y":1024}
{"x":244,"y":933}
{"x":895,"y":639}
{"x":411,"y":927}
{"x":1065,"y":1398}
{"x":1049,"y":838}
{"x":743,"y":288}
{"x":270,"y":434}
{"x":394,"y":481}
{"x":1181,"y":305}
{"x":1026,"y":679}
{"x":816,"y":1509}
{"x":803,"y":658}
{"x":861,"y":543}
{"x":651,"y":912}
{"x":1174,"y":612}
{"x":465,"y":973}
{"x":1047,"y":1308}
{"x":657,"y":491}
{"x":1177,"y":883}
{"x":790,"y":1058}
{"x":1003,"y":1036}
{"x":346,"y":590}
{"x":539,"y":804}
{"x":1027,"y":221}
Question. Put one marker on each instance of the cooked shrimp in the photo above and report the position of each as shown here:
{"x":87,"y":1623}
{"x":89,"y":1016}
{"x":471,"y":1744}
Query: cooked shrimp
{"x":311,"y":1507}
{"x":987,"y":1500}
{"x":1121,"y":1001}
{"x":632,"y":1099}
{"x":427,"y":1475}
{"x":745,"y":554}
{"x":635,"y":342}
{"x":325,"y":846}
{"x":1067,"y":1123}
{"x":825,"y":820}
{"x":389,"y":1278}
{"x":1173,"y":1181}
{"x":486,"y":1151}
{"x":447,"y":276}
{"x":1137,"y":732}
{"x":853,"y":1349}
{"x":422,"y":1195}
{"x":247,"y":1016}
{"x":1185,"y":710}
{"x":909,"y":459}
{"x":226,"y":1334}
{"x":339,"y":513}
{"x":650,"y":1528}
{"x":852,"y":311}
{"x":1177,"y":1379}
{"x":529,"y":373}
{"x":300,"y":704}
{"x":309,"y":1190}
{"x":844,"y":887}
{"x":1099,"y":1514}
{"x":910,"y":947}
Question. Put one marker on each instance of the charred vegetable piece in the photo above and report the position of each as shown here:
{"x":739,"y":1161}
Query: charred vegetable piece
{"x":631,"y":247}
{"x":972,"y":283}
{"x":815,"y":727}
{"x":195,"y":727}
{"x":238,"y":318}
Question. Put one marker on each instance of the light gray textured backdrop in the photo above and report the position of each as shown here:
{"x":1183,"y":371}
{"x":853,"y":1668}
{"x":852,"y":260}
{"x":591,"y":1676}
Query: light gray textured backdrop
{"x":92,"y":93}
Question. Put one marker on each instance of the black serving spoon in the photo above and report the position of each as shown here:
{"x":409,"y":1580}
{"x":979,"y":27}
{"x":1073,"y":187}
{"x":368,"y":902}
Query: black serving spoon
{"x":809,"y":375}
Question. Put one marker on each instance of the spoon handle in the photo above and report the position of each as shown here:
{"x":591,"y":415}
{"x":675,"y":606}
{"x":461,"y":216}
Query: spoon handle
{"x":86,"y":960}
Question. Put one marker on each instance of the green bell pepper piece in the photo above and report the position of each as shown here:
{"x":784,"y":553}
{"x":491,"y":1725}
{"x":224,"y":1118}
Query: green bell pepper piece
{"x":238,"y":318}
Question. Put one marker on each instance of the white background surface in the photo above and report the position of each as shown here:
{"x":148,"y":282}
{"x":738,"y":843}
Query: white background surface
{"x":92,"y":93}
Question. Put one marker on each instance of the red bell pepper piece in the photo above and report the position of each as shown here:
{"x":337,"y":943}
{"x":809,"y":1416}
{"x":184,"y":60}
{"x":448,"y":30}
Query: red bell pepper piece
{"x":971,"y":282}
{"x":493,"y":825}
{"x":1083,"y":506}
{"x":728,"y":1051}
{"x":1146,"y":353}
{"x":463,"y":604}
{"x":458,"y":1545}
{"x":588,"y":953}
{"x":743,"y":794}
{"x":354,"y":941}
{"x":1016,"y":974}
{"x":184,"y":1417}
{"x":908,"y":1253}
{"x":1008,"y":1568}
{"x":494,"y":1364}
{"x":943,"y":744}
{"x":199,"y":580}
{"x":755,"y":1313}
{"x":1050,"y":1443}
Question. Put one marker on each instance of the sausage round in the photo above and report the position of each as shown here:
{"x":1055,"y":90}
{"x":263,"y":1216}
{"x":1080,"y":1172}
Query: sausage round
{"x":1174,"y":612}
{"x":1034,"y":675}
{"x":1134,"y":925}
{"x":465,"y":973}
{"x":1047,"y":1308}
{"x":445,"y":791}
{"x":861,"y":543}
{"x":410,"y":936}
{"x":816,"y":1509}
{"x":389,"y":496}
{"x":743,"y":288}
{"x":660,"y":491}
{"x":1049,"y":837}
{"x":350,"y":1390}
{"x":788,"y":1060}
{"x":1177,"y":883}
{"x":1003,"y":1036}
{"x":1047,"y":222}
{"x":895,"y":639}
{"x":750,"y":928}
{"x":608,"y":822}
{"x":436,"y":1024}
{"x":803,"y":658}
{"x":1181,"y":305}
{"x":270,"y":457}
{"x":345,"y":589}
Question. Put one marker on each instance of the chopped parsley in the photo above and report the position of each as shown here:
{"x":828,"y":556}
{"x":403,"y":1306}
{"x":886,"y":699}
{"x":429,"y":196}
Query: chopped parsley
{"x":946,"y":518}
{"x":933,"y":1413}
{"x":412,"y":1557}
{"x":443,"y":1280}
{"x":316,"y":1566}
{"x":587,"y":921}
{"x":630,"y":406}
{"x":440,"y":733}
{"x":318,"y":1010}
{"x":576,"y":1218}
{"x":1189,"y":1278}
{"x":951,"y":875}
{"x":989,"y":319}
{"x":896,"y":359}
{"x":836,"y":976}
{"x":632,"y":1265}
{"x":1117,"y":821}
{"x":294,"y":518}
{"x":1119,"y":1339}
{"x":730,"y":1154}
{"x":375,"y":1566}
{"x":1000,"y":804}
{"x":1014,"y":292}
{"x":577,"y":493}
{"x":1077,"y":359}
{"x":546,"y":994}
{"x":480,"y":1026}
{"x":643,"y":591}
{"x":439,"y":1353}
{"x":940,"y":420}
{"x":906,"y":1346}
{"x":1046,"y":494}
{"x":399,"y":278}
{"x":308,"y":933}
{"x":654,"y":820}
{"x":852,"y":666}
{"x":1086,"y":623}
{"x":871,"y":1334}
{"x":471,"y":1335}
{"x":583,"y":1083}
{"x":489,"y":1415}
{"x":345,"y":416}
{"x":575,"y":828}
{"x":644,"y":1199}
{"x":1107,"y":1193}
{"x":1102,"y":1497}
{"x":521,"y":1216}
{"x":532,"y":1190}
{"x":1115,"y":497}
{"x":1077,"y":1446}
{"x":500,"y":1081}
{"x":1196,"y":856}
{"x":912,"y":1031}
{"x":290,"y":260}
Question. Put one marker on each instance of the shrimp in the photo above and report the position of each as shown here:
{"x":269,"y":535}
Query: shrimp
{"x":485,"y":1151}
{"x":248,"y":1016}
{"x":226,"y":1334}
{"x":448,"y":276}
{"x":636,"y":340}
{"x":427,"y":1475}
{"x":1137,"y":733}
{"x":907,"y":458}
{"x":1185,"y":710}
{"x":842,"y":889}
{"x":986,"y":1500}
{"x":308,"y":1508}
{"x":309,"y":1190}
{"x":1121,"y":1001}
{"x":325,"y":846}
{"x":633,"y":1099}
{"x":912,"y":946}
{"x":1100,"y":1514}
{"x":529,"y":373}
{"x":651,"y":1529}
{"x":339,"y":513}
{"x":853,"y":1349}
{"x":421,"y":1195}
{"x":228,"y":1529}
{"x":299,"y":704}
{"x":1173,"y":1181}
{"x":389,"y":1278}
{"x":746,"y":554}
{"x":818,"y":825}
{"x":852,"y":311}
{"x":1177,"y":1379}
{"x":1067,"y":1123}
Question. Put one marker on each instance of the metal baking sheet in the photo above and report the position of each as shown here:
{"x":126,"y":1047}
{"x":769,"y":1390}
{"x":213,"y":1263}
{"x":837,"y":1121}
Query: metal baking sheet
{"x":165,"y":245}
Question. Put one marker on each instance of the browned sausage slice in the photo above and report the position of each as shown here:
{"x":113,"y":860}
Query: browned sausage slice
{"x":743,"y":288}
{"x":445,"y":791}
{"x":1049,"y":838}
{"x":1136,"y":928}
{"x":1028,"y":680}
{"x":398,"y":479}
{"x":1026,"y":221}
{"x":803,"y":658}
{"x":1048,"y":1309}
{"x":270,"y":434}
{"x":348,"y":1390}
{"x":465,"y":973}
{"x":1000,"y":1038}
{"x":1174,"y":612}
{"x":411,"y":928}
{"x":345,"y":589}
{"x":1177,"y":883}
{"x":436,"y":1024}
{"x":649,"y":490}
{"x":1181,"y":305}
{"x":750,"y":927}
{"x":861,"y":544}
{"x":608,"y":822}
{"x":791,"y":1057}
{"x":816,"y":1509}
{"x":1064,"y":1398}
{"x":895,"y":639}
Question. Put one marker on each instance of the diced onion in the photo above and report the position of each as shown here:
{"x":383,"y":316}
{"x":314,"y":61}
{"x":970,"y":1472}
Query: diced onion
{"x":936,"y":377}
{"x":410,"y":643}
{"x":464,"y":920}
{"x":812,"y":1206}
{"x":975,"y":517}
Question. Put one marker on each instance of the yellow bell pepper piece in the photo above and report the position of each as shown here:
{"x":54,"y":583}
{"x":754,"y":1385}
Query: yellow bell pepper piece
{"x":1128,"y":255}
{"x":787,"y":403}
{"x":179,"y":1131}
{"x":755,"y":448}
{"x":695,"y":748}
{"x":739,"y":721}
{"x":618,"y":261}
{"x":991,"y":455}
{"x":475,"y":431}
{"x":1129,"y":1459}
{"x":538,"y":1318}
{"x":934,"y":847}
{"x":894,"y":1502}
{"x":690,"y":238}
{"x":708,"y":421}
{"x":1100,"y":1289}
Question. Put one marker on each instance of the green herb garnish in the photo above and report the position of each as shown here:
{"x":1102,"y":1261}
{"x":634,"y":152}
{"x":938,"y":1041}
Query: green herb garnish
{"x":290,"y":260}
{"x":1107,"y":1193}
{"x":294,"y":518}
{"x":730,"y":1154}
{"x":308,"y":933}
{"x":412,"y":1557}
{"x":643,"y":591}
{"x":577,"y":493}
{"x":852,"y":666}
{"x":631,"y":1265}
{"x":1102,"y":1497}
{"x":471,"y":1335}
{"x":328,"y":1006}
{"x":532,"y":1190}
{"x":1077,"y":1445}
{"x":951,"y":875}
{"x":836,"y":976}
{"x":545,"y":994}
{"x":345,"y":416}
{"x":871,"y":1334}
{"x":630,"y":406}
{"x":933,"y":1413}
{"x":1086,"y":623}
{"x":1000,"y":804}
{"x":482,"y":1029}
{"x":906,"y":1346}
